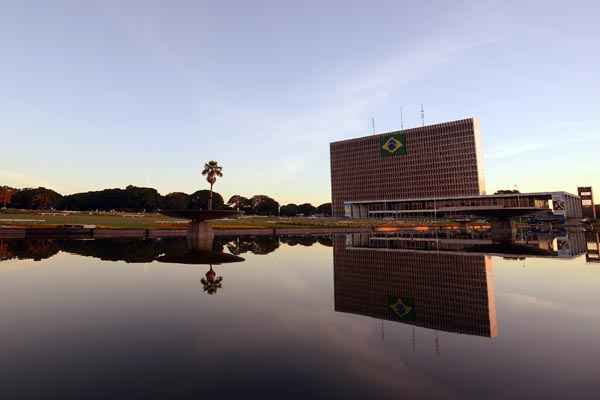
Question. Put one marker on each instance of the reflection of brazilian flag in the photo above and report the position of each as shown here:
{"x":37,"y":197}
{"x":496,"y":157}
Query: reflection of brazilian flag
{"x":402,"y":308}
{"x":393,"y":144}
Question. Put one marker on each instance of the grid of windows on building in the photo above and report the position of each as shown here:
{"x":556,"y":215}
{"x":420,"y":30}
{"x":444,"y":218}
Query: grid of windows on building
{"x":454,"y":293}
{"x":439,"y":160}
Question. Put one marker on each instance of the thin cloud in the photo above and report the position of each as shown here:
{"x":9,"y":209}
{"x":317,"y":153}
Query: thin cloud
{"x":519,"y":149}
{"x":12,"y":178}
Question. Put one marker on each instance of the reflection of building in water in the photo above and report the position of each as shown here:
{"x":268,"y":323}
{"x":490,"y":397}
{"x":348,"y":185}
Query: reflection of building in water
{"x":567,"y":244}
{"x":587,"y":202}
{"x":570,"y":245}
{"x":442,"y":291}
{"x":593,"y":247}
{"x":564,"y":244}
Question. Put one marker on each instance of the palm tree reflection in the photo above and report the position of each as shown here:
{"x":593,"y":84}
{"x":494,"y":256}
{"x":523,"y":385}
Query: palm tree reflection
{"x":211,"y":282}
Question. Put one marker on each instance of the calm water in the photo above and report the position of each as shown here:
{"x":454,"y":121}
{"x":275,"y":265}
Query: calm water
{"x":346,"y":317}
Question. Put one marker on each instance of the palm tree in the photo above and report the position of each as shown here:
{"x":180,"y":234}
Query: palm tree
{"x":212,"y":282}
{"x":212,"y":169}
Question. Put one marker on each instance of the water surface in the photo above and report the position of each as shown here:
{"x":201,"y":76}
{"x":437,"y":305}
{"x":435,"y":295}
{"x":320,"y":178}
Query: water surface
{"x":343,"y":317}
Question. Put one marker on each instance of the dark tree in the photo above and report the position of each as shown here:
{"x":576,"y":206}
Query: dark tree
{"x":324,"y":209}
{"x":240,"y":203}
{"x":211,"y":283}
{"x":6,"y":194}
{"x":264,"y":205}
{"x":307,"y":209}
{"x":125,"y":249}
{"x":176,"y":201}
{"x":132,"y":198}
{"x":107,"y":199}
{"x":307,"y":240}
{"x":240,"y":245}
{"x":199,"y":200}
{"x":140,"y":198}
{"x":36,"y":199}
{"x":31,"y":249}
{"x":325,"y":241}
{"x":212,"y":170}
{"x":289,"y":210}
{"x":265,"y":244}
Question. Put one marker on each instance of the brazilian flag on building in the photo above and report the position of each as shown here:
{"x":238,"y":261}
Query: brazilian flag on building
{"x":393,"y":144}
{"x":402,"y":308}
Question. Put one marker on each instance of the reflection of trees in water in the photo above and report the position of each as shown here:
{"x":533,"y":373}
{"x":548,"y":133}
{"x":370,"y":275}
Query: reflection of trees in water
{"x":5,"y":253}
{"x":33,"y":249}
{"x":301,"y":240}
{"x":211,"y":282}
{"x":239,"y":246}
{"x":268,"y":244}
{"x":265,"y":244}
{"x":326,"y":241}
{"x":133,"y":250}
{"x":128,"y":250}
{"x":254,"y":245}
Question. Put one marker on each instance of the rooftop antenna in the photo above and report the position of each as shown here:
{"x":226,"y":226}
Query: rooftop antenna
{"x":401,"y":119}
{"x":422,"y":115}
{"x":373,"y":124}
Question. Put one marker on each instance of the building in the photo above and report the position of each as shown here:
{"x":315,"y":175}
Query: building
{"x":424,"y":171}
{"x":560,"y":204}
{"x":587,"y":202}
{"x":431,"y":161}
{"x":449,"y":292}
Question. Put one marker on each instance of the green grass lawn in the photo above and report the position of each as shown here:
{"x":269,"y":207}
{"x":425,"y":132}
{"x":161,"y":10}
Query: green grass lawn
{"x":121,"y":220}
{"x":157,"y":221}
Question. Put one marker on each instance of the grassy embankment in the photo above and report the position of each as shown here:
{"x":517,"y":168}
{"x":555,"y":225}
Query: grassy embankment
{"x":157,"y":221}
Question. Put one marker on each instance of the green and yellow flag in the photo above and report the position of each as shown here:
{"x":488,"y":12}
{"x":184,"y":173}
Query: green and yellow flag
{"x":402,"y":308}
{"x":393,"y":144}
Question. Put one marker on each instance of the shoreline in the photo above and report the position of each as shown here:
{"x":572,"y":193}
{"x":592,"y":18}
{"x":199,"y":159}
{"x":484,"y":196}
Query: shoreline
{"x":106,"y":233}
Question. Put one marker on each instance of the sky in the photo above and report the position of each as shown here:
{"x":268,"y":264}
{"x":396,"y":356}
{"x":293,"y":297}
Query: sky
{"x":104,"y":94}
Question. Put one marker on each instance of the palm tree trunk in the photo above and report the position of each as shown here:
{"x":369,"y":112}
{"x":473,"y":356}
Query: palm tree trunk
{"x":210,"y":198}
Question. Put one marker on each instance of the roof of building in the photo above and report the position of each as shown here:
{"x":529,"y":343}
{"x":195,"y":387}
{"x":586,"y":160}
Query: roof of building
{"x":408,"y":130}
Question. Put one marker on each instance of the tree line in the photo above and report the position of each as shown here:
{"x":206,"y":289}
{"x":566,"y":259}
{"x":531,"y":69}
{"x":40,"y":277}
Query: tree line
{"x":134,"y":198}
{"x":264,"y":205}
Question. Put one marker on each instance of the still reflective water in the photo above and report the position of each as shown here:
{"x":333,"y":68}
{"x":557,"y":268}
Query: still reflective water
{"x":347,"y":316}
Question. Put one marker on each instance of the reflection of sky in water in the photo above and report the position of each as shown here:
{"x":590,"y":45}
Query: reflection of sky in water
{"x":79,"y":325}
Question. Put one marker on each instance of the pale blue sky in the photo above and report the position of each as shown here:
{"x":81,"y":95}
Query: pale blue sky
{"x":110,"y":93}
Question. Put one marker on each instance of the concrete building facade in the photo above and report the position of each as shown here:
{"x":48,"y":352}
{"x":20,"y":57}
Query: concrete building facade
{"x":423,"y":171}
{"x":431,"y":161}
